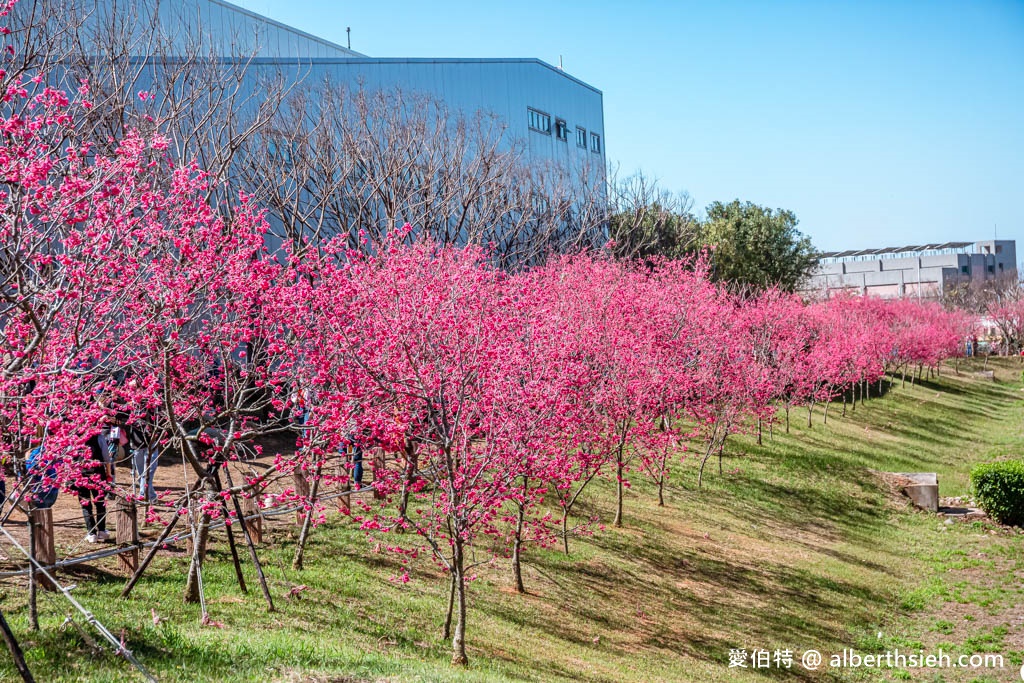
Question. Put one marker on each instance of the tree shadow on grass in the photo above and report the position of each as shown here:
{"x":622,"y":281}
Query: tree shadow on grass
{"x":673,"y":605}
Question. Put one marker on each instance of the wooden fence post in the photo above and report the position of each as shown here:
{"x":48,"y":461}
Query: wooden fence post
{"x":45,"y":553}
{"x":301,"y":490}
{"x":379,"y":463}
{"x":255,"y":526}
{"x":126,"y":533}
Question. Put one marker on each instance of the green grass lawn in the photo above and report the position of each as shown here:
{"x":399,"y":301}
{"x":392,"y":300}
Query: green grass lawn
{"x":796,"y":546}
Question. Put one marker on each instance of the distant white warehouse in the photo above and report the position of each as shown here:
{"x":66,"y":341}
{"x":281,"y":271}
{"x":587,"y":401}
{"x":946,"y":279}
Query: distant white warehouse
{"x":925,"y":270}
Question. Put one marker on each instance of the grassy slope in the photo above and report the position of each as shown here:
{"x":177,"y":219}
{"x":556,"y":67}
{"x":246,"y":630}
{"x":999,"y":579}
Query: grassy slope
{"x":795,"y":546}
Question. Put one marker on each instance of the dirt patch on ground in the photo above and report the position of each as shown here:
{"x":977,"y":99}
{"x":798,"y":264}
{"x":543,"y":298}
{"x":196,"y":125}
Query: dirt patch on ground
{"x":169,"y":483}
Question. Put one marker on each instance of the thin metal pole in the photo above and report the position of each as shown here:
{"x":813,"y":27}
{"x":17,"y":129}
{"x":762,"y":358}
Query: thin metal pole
{"x":119,"y":647}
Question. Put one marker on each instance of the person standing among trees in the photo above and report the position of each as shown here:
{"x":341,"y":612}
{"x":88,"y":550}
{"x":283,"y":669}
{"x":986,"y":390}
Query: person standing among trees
{"x":355,"y":458}
{"x":351,"y":445}
{"x":145,"y":458}
{"x":96,"y":477}
{"x":42,"y":476}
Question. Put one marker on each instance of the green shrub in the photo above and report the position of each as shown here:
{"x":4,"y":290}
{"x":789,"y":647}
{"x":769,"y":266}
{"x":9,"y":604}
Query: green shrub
{"x":999,"y":490}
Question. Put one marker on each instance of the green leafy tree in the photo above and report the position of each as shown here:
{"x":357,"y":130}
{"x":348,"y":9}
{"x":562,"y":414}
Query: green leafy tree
{"x":756,"y":247}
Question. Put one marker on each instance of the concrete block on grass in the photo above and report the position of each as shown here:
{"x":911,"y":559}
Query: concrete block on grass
{"x":922,"y":488}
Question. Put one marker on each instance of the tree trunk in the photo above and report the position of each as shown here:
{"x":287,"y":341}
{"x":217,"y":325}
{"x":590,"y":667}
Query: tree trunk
{"x":411,"y":458}
{"x":201,"y":535}
{"x":618,"y":492}
{"x":759,"y":431}
{"x":446,"y":632}
{"x":787,"y":418}
{"x":707,"y":454}
{"x":459,"y":636}
{"x":827,"y":404}
{"x":844,"y":403}
{"x":517,"y":549}
{"x":565,"y":530}
{"x":661,"y":491}
{"x":810,"y":413}
{"x":307,"y":520}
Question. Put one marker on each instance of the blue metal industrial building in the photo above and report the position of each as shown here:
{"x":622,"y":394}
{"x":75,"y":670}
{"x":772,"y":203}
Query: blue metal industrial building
{"x":552,"y":114}
{"x":504,"y":153}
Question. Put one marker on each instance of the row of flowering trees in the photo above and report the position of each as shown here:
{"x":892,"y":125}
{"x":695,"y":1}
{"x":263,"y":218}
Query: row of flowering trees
{"x":125,"y":296}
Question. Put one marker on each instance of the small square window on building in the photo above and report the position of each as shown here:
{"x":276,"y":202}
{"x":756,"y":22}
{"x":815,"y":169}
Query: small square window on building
{"x":540,"y":203}
{"x":281,"y":149}
{"x":966,"y":270}
{"x":991,"y":269}
{"x":539,"y":121}
{"x":595,"y":143}
{"x":561,"y":130}
{"x":581,"y":137}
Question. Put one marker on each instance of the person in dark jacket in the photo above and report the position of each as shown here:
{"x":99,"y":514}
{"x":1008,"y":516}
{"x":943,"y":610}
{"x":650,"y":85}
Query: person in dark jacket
{"x":92,"y":497}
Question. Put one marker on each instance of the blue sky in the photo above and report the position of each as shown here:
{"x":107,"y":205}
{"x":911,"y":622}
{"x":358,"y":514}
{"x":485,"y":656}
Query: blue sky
{"x":877,"y":123}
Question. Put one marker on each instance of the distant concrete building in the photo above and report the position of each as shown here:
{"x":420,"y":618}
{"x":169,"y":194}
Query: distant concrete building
{"x":926,"y":270}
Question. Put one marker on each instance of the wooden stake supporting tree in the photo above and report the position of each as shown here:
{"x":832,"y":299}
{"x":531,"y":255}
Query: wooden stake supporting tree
{"x":301,"y":489}
{"x":45,"y":553}
{"x":231,"y":537}
{"x":249,"y":542}
{"x":344,"y":475}
{"x":249,"y":509}
{"x":379,"y":464}
{"x":311,"y":499}
{"x":150,"y":555}
{"x":15,"y":649}
{"x":126,"y":533}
